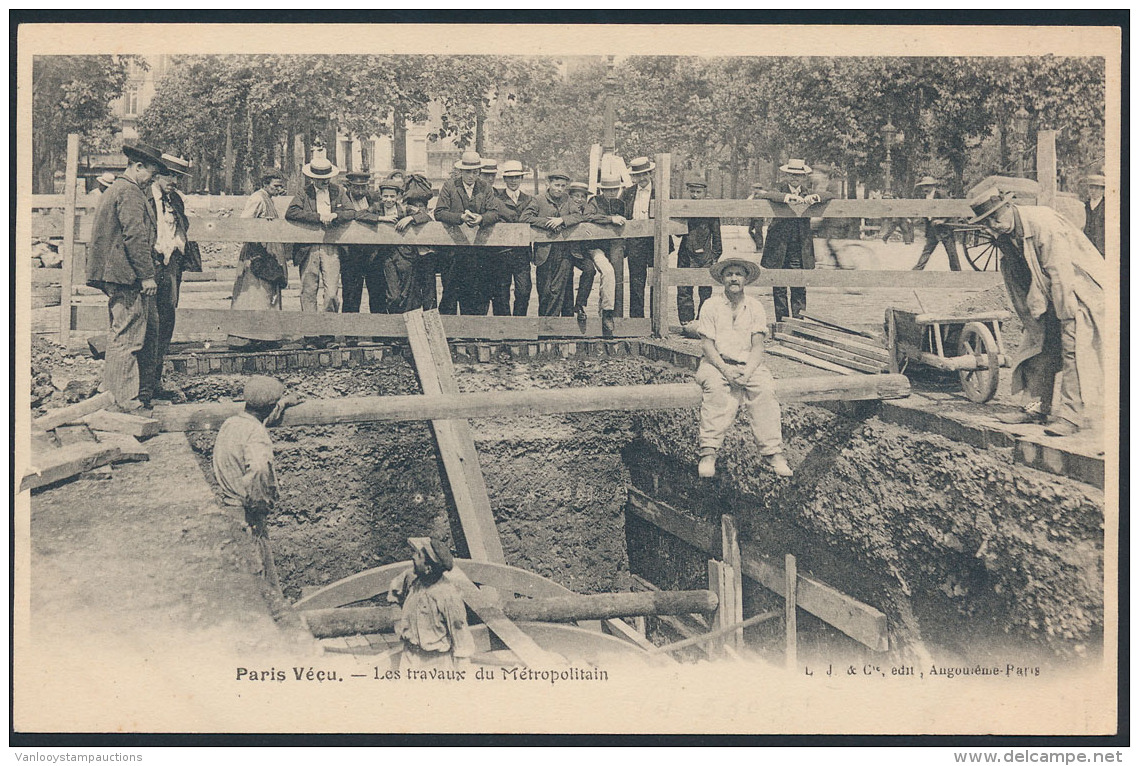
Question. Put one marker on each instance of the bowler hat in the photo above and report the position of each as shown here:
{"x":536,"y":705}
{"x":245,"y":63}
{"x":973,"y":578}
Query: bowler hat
{"x":512,"y":168}
{"x":175,"y":165}
{"x":469,"y":161}
{"x":796,"y":167}
{"x":610,"y":182}
{"x":717,"y":269}
{"x":137,"y":151}
{"x":578,"y":186}
{"x":558,"y":174}
{"x":263,"y":391}
{"x":927,"y":181}
{"x":641,"y":165}
{"x":490,"y":167}
{"x":987,"y":203}
{"x":1095,"y":180}
{"x":106,"y":179}
{"x":358,"y":178}
{"x":320,"y":167}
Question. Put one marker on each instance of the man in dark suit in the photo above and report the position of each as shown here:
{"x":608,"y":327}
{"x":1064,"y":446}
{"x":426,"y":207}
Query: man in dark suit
{"x":699,"y":249}
{"x":120,"y":262}
{"x":1093,"y":213}
{"x":552,"y":211}
{"x":467,"y":201}
{"x":935,"y":229}
{"x":362,"y":264}
{"x":790,"y":244}
{"x":513,"y":264}
{"x":638,"y":200}
{"x":755,"y":225}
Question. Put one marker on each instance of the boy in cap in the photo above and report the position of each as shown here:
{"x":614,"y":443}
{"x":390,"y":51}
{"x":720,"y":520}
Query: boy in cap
{"x":410,"y":271}
{"x":582,"y":260}
{"x":732,"y":327}
{"x":120,"y":262}
{"x":433,"y":619}
{"x":243,"y":461}
{"x":513,"y":264}
{"x":1093,"y":213}
{"x":362,"y":264}
{"x":701,"y":247}
{"x":607,"y":209}
{"x":552,"y":211}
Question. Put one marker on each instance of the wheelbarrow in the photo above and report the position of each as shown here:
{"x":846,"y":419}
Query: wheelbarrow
{"x":924,"y":338}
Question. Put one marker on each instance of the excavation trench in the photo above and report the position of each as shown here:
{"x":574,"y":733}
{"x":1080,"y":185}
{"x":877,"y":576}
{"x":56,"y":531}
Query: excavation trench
{"x":971,"y":557}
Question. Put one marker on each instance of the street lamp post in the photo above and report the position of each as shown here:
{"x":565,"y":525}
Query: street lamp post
{"x":889,"y":132}
{"x":609,"y":140}
{"x":1020,"y":129}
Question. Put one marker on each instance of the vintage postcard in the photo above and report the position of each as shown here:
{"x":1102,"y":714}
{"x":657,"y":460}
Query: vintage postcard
{"x":380,"y":378}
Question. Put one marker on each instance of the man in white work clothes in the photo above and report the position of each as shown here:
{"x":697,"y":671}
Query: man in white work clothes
{"x":732,"y":327}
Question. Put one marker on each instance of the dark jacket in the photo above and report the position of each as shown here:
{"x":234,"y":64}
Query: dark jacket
{"x":702,"y":245}
{"x":303,"y":210}
{"x":538,"y":213}
{"x":509,"y":211}
{"x":191,"y":258}
{"x":122,"y":237}
{"x":787,"y":234}
{"x":453,"y":200}
{"x":1094,"y":225}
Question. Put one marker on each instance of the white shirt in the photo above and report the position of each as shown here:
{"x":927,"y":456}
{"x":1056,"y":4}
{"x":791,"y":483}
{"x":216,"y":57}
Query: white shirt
{"x":168,"y":239}
{"x":796,"y":189}
{"x":470,"y":190}
{"x":641,"y":202}
{"x":732,"y":331}
{"x":323,"y":202}
{"x":360,"y":203}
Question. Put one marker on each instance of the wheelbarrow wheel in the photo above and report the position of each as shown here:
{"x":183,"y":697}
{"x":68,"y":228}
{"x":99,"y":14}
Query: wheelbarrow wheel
{"x":977,"y":341}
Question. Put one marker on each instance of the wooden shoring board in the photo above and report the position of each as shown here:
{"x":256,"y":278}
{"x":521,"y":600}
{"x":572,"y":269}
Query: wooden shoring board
{"x":730,"y":547}
{"x":846,"y":341}
{"x":833,"y":353}
{"x":658,"y":295}
{"x":799,"y":356}
{"x":65,"y":462}
{"x":456,"y":444}
{"x":860,"y":621}
{"x":491,"y":613}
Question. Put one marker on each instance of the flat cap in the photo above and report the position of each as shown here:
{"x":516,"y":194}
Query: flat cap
{"x":263,"y":391}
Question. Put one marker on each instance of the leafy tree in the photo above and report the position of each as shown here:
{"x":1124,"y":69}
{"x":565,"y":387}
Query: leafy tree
{"x":70,"y":94}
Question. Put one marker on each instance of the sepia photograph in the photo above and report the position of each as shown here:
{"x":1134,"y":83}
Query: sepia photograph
{"x":566,"y":379}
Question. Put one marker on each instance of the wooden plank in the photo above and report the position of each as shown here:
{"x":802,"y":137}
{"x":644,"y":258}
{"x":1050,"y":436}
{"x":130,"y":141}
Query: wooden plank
{"x":43,"y":441}
{"x":66,"y":462}
{"x":715,"y":634}
{"x":853,"y":351}
{"x":567,"y":327}
{"x":123,"y":423}
{"x":363,"y":409}
{"x":73,"y":413}
{"x":815,"y":318}
{"x":1046,"y":173}
{"x":456,"y":444}
{"x":837,"y":208}
{"x":844,"y":339}
{"x":730,"y":552}
{"x":799,"y":356}
{"x":491,"y":613}
{"x":981,"y":316}
{"x":719,"y":582}
{"x":837,"y":357}
{"x":790,"y":590}
{"x":217,"y":324}
{"x":833,"y":353}
{"x":842,"y":278}
{"x":67,"y":278}
{"x":860,"y":621}
{"x":662,"y":185}
{"x":77,"y":434}
{"x":131,"y":448}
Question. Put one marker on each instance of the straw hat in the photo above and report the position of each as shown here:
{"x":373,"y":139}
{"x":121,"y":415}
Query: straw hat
{"x":137,"y":151}
{"x":469,"y":161}
{"x":987,"y":203}
{"x":319,"y":168}
{"x":490,"y":167}
{"x":717,"y":269}
{"x":1095,"y":180}
{"x":927,"y":181}
{"x":512,"y":168}
{"x":641,"y":165}
{"x":610,"y":182}
{"x":106,"y":179}
{"x":796,"y":167}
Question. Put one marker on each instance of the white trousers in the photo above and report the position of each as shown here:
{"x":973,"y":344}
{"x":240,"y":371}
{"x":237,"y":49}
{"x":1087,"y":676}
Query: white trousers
{"x":721,"y":400}
{"x":608,"y":290}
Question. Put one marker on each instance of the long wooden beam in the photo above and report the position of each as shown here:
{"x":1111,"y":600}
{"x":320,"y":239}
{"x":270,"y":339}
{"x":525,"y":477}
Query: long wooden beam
{"x":333,"y":623}
{"x":838,"y":208}
{"x":843,"y":278}
{"x":860,"y":621}
{"x":489,"y":404}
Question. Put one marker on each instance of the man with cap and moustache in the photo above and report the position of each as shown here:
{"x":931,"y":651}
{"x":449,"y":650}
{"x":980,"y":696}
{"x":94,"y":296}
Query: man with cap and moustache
{"x":1055,"y":278}
{"x":552,"y":211}
{"x":638,"y":200}
{"x":1093,"y":213}
{"x":120,"y":262}
{"x":513,"y":263}
{"x":243,"y":461}
{"x":467,"y":201}
{"x":790,"y":243}
{"x":433,"y":619}
{"x":732,"y":327}
{"x":935,"y":228}
{"x":699,"y":249}
{"x":362,"y":264}
{"x":755,"y":225}
{"x":262,"y":267}
{"x":173,"y":254}
{"x":325,"y":204}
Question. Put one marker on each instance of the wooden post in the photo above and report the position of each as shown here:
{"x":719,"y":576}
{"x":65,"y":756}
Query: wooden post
{"x":718,"y":583}
{"x":662,"y":184}
{"x":67,"y":278}
{"x":791,"y":578}
{"x":1046,"y":166}
{"x":730,"y":544}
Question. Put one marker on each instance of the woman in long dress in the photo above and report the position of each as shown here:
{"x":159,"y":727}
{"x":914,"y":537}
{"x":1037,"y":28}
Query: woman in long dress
{"x":262,"y":268}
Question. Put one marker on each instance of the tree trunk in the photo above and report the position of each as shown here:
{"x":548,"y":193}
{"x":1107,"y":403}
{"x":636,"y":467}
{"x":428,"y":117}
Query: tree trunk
{"x":296,"y":180}
{"x":735,"y":168}
{"x":227,"y":183}
{"x":480,"y":128}
{"x":43,"y":179}
{"x":399,"y":140}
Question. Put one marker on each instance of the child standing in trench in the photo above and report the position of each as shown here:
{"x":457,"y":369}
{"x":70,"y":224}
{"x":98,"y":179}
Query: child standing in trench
{"x":433,"y":621}
{"x":732,"y":327}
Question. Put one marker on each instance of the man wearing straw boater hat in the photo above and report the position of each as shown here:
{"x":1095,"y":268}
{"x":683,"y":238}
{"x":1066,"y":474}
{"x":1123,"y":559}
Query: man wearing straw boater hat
{"x":1093,"y":213}
{"x":1054,"y":277}
{"x":173,"y":254}
{"x":935,"y":228}
{"x":790,"y":244}
{"x":467,"y":271}
{"x":638,"y":200}
{"x":120,"y":262}
{"x":732,"y":327}
{"x":325,"y":204}
{"x":513,"y":263}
